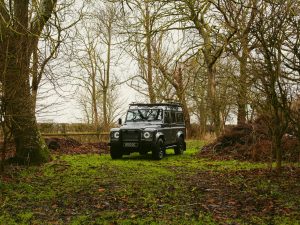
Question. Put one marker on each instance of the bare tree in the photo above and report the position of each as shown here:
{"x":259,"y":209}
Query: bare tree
{"x":87,"y":56}
{"x":46,"y":52}
{"x":271,"y":31}
{"x":291,"y":58}
{"x":241,"y":45}
{"x":106,"y":24}
{"x":142,"y":21}
{"x":173,"y":72}
{"x":94,"y":55}
{"x":213,"y":40}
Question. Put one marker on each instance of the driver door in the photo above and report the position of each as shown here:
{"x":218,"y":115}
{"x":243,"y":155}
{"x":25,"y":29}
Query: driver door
{"x":167,"y":127}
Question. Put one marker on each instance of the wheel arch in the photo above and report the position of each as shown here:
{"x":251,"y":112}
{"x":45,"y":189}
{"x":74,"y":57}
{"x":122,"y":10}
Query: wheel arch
{"x":159,"y":135}
{"x":180,"y":134}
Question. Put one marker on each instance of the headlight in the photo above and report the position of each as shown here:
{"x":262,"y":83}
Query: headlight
{"x":116,"y":135}
{"x":147,"y":135}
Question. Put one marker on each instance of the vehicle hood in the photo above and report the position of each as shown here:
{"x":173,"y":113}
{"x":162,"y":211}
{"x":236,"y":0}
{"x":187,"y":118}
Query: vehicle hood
{"x":139,"y":126}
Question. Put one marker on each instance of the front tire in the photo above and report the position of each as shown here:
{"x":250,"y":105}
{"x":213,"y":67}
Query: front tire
{"x":159,"y":151}
{"x":179,"y":149}
{"x":115,"y":153}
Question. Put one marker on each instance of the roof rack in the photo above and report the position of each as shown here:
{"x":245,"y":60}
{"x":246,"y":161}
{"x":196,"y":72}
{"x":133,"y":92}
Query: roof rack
{"x":169,"y":105}
{"x":156,"y":104}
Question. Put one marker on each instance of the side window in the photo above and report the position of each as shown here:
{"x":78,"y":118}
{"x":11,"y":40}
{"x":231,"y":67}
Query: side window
{"x":179,"y":117}
{"x":159,"y":115}
{"x":173,"y":117}
{"x":167,"y":117}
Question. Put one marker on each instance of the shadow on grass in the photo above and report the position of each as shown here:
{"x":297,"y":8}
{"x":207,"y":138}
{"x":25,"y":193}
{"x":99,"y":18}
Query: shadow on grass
{"x":147,"y":157}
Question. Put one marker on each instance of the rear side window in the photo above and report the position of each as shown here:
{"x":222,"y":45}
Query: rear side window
{"x":173,"y":117}
{"x":167,"y":117}
{"x":179,"y":117}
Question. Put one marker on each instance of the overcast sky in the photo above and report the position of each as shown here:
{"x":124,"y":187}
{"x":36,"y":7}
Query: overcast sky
{"x":63,"y":107}
{"x":62,"y":104}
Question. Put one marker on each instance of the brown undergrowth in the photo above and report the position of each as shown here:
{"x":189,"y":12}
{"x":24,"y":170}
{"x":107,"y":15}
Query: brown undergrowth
{"x":64,"y":146}
{"x":250,"y":142}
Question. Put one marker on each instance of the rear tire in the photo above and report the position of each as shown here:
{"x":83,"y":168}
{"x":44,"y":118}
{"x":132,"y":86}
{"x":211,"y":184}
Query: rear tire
{"x":159,"y":150}
{"x":115,"y":153}
{"x":179,"y":149}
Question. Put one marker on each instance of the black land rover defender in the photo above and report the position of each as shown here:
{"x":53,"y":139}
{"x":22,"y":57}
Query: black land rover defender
{"x":149,"y":127}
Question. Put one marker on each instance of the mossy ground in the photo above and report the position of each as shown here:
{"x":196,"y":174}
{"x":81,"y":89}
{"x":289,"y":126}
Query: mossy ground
{"x":93,"y":189}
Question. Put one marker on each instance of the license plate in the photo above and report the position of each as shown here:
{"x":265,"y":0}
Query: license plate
{"x":131,"y":145}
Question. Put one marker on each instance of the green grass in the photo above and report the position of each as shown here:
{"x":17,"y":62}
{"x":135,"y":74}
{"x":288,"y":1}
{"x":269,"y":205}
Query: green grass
{"x":93,"y":189}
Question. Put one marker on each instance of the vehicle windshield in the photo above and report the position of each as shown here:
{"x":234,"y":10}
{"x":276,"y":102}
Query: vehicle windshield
{"x":144,"y":115}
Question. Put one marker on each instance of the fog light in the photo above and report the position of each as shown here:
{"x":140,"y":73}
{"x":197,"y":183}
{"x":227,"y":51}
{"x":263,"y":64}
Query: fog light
{"x":147,"y":135}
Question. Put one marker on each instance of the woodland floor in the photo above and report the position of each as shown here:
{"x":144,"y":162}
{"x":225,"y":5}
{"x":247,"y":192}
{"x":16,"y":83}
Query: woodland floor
{"x":93,"y":189}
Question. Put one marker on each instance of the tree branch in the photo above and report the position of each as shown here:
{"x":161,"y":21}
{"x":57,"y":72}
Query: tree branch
{"x":4,"y":15}
{"x":43,"y":15}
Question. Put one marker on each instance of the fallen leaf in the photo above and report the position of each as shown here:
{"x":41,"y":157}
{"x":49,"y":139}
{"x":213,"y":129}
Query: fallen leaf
{"x":101,"y":190}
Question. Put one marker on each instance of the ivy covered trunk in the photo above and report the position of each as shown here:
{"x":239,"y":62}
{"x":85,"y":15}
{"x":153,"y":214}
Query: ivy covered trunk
{"x":16,"y":45}
{"x":30,"y":147}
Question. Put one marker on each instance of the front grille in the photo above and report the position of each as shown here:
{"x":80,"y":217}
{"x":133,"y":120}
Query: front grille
{"x":130,"y":135}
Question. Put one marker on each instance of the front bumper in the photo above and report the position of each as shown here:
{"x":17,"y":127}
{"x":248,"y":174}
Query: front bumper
{"x":132,"y":146}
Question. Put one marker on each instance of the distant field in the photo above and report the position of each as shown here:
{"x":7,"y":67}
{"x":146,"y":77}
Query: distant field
{"x":93,"y":189}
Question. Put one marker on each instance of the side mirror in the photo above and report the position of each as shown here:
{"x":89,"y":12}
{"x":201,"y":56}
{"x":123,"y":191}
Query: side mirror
{"x":120,"y":121}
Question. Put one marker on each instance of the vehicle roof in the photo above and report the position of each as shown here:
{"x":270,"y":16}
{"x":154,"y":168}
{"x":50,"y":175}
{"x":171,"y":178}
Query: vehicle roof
{"x":171,"y":105}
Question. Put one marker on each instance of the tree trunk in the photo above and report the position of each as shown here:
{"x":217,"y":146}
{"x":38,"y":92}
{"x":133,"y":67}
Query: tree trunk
{"x":187,"y":119}
{"x":180,"y":91}
{"x":94,"y":101}
{"x":16,"y":47}
{"x":277,"y":149}
{"x":242,"y":94}
{"x":278,"y":155}
{"x":182,"y":100}
{"x":35,"y":82}
{"x":203,"y":118}
{"x":213,"y":102}
{"x":107,"y":79}
{"x":152,"y":96}
{"x":104,"y":105}
{"x":298,"y":137}
{"x":30,"y":147}
{"x":242,"y":89}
